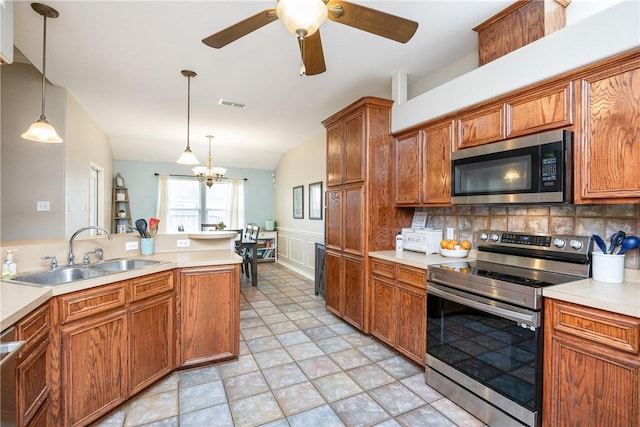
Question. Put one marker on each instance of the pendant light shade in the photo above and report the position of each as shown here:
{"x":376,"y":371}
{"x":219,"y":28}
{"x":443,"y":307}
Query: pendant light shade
{"x":187,"y":157}
{"x":41,"y":130}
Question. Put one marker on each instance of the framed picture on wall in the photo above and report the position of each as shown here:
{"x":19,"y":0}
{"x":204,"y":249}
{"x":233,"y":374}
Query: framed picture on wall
{"x":298,"y":202}
{"x":315,"y":200}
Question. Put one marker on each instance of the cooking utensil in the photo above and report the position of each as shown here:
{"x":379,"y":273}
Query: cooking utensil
{"x":616,"y":240}
{"x":628,"y":243}
{"x":153,"y":226}
{"x":600,"y":242}
{"x":141,"y":226}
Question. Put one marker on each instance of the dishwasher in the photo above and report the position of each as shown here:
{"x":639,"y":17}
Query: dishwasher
{"x":9,"y":351}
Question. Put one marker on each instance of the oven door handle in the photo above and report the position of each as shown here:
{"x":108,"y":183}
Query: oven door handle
{"x":528,"y":319}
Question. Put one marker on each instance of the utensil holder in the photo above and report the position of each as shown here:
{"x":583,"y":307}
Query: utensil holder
{"x":607,"y":268}
{"x":146,"y":246}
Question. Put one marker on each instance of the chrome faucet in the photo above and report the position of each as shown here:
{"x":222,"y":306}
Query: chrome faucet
{"x":71,"y":258}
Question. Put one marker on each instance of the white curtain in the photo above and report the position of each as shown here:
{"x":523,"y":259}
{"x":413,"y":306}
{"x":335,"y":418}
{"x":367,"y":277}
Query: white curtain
{"x":236,"y":204}
{"x":162,"y":212}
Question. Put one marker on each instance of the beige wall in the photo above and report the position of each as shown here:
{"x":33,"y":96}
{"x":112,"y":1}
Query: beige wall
{"x":303,"y":165}
{"x":58,"y":173}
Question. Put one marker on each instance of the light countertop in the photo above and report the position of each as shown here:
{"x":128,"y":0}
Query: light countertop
{"x":17,"y":300}
{"x":622,"y":298}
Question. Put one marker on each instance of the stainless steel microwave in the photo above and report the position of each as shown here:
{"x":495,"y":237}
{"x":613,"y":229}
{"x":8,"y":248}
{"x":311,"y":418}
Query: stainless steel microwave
{"x":530,"y":169}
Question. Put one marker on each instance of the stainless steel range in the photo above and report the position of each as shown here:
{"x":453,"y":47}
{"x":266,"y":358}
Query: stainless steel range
{"x":484,"y":322}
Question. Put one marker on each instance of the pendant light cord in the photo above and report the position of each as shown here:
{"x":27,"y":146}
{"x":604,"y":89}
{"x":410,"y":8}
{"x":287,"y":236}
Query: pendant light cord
{"x":44,"y":64}
{"x":188,"y":109}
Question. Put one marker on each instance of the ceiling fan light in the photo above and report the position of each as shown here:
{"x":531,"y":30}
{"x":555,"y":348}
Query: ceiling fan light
{"x":305,"y":15}
{"x":187,"y":158}
{"x":42,"y":131}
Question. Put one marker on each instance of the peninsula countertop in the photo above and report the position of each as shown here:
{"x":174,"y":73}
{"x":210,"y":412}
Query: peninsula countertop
{"x":18,"y":300}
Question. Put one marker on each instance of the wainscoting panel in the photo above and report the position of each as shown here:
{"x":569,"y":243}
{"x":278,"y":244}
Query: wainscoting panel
{"x":296,"y":250}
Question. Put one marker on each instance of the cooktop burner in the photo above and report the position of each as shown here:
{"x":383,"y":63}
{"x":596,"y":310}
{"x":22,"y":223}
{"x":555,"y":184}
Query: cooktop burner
{"x":513,"y":267}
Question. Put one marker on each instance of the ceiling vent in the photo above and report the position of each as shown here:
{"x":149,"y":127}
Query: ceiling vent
{"x":230,"y":103}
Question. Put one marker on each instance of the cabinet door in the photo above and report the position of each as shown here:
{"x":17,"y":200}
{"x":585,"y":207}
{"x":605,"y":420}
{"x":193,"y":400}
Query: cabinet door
{"x":354,"y":148}
{"x":408,"y":169}
{"x":333,"y":223}
{"x":334,"y":279}
{"x":151,"y":332}
{"x":481,"y":127}
{"x":209,"y":311}
{"x":334,"y":155}
{"x":436,"y":164}
{"x":354,"y":291}
{"x":383,"y":319}
{"x":31,"y":379}
{"x":609,"y":150}
{"x":95,"y":370}
{"x":353,"y":219}
{"x":411,"y":305}
{"x":550,"y":108}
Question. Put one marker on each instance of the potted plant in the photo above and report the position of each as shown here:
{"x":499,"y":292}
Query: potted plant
{"x":220,"y":226}
{"x":122,"y":213}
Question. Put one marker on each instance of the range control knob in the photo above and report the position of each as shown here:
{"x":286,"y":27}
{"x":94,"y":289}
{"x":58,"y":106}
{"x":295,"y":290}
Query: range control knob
{"x":495,"y":237}
{"x":559,"y":243}
{"x":576,"y":244}
{"x":484,"y":236}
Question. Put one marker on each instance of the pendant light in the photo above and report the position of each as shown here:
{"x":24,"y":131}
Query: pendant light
{"x":187,"y":157}
{"x":209,"y":174}
{"x":41,"y":130}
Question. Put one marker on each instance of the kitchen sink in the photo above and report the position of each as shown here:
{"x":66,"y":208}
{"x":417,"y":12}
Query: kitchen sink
{"x":61,"y":276}
{"x":123,"y":264}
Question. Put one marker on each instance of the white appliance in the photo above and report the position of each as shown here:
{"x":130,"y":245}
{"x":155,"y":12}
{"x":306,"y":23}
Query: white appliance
{"x":425,"y":240}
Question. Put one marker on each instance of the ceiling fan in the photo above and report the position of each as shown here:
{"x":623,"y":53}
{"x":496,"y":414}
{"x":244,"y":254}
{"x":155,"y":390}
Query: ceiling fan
{"x":304,"y":17}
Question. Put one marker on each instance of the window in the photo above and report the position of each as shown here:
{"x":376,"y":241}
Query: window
{"x":191,"y":203}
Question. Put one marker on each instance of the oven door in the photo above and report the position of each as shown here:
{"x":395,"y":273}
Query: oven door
{"x":491,"y":349}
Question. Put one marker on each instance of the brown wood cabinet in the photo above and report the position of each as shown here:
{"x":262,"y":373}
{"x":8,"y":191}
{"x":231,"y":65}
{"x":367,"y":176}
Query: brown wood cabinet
{"x":108,"y":343}
{"x":398,"y":308}
{"x":481,"y":126}
{"x":208,"y":308}
{"x":591,"y":367}
{"x":607,"y":144}
{"x":360,"y":214}
{"x":422,"y":166}
{"x":32,"y":366}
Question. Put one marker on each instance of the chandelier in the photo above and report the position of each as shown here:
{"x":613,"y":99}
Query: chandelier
{"x":209,"y":174}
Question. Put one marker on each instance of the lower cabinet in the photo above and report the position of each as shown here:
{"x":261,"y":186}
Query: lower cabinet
{"x":398,"y":307}
{"x":208,"y":314}
{"x":32,"y":367}
{"x":108,"y":343}
{"x":591,"y":367}
{"x":345,"y":287}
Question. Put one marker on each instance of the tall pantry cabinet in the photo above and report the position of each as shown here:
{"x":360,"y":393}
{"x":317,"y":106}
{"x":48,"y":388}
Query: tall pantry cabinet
{"x":360,"y":212}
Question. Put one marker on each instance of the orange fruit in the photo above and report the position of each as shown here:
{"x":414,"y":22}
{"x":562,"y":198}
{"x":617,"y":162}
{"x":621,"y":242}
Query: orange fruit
{"x":444,"y":243}
{"x":465,"y":244}
{"x":451,"y":245}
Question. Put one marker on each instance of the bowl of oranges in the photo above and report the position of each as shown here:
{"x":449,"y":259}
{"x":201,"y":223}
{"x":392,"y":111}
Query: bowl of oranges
{"x":453,"y":249}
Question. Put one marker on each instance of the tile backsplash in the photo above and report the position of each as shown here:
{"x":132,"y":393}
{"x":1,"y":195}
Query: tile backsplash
{"x":552,"y":219}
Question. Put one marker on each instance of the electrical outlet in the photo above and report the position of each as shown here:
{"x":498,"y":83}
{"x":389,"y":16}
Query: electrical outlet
{"x":43,"y":206}
{"x":131,"y":246}
{"x":183,"y":243}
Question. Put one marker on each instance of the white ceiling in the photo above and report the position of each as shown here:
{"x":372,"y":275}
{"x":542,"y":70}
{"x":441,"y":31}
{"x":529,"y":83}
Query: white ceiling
{"x":121,"y":60}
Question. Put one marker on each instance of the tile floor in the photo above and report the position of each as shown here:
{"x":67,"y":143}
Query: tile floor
{"x":299,"y":365}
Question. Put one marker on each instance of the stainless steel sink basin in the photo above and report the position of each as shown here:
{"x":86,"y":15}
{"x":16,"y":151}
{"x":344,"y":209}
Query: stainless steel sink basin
{"x":61,"y":276}
{"x":124,"y":264}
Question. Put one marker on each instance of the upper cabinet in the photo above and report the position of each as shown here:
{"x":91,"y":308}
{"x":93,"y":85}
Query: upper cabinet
{"x":607,"y":169}
{"x":346,"y":150}
{"x":422,"y":165}
{"x":481,"y":126}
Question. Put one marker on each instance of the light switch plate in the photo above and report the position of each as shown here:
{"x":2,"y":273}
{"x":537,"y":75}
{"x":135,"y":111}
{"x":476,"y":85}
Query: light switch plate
{"x":183,"y":243}
{"x":131,"y":246}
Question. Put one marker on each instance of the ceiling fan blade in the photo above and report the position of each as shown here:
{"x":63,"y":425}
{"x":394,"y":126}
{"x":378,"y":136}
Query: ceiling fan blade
{"x":312,"y":54}
{"x":372,"y":21}
{"x":242,"y":28}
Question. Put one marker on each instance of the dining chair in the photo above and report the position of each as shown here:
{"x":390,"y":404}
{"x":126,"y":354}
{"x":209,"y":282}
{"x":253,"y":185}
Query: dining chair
{"x":249,"y":258}
{"x":207,"y":227}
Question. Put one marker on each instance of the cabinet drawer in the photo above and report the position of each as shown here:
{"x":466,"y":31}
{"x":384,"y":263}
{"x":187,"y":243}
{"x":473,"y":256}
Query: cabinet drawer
{"x":412,"y":276}
{"x":602,"y":327}
{"x":34,"y":327}
{"x":81,"y":304}
{"x":383,"y":268}
{"x":151,"y":285}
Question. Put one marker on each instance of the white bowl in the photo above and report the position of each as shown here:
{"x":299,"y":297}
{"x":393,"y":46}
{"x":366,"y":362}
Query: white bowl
{"x":454,"y":253}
